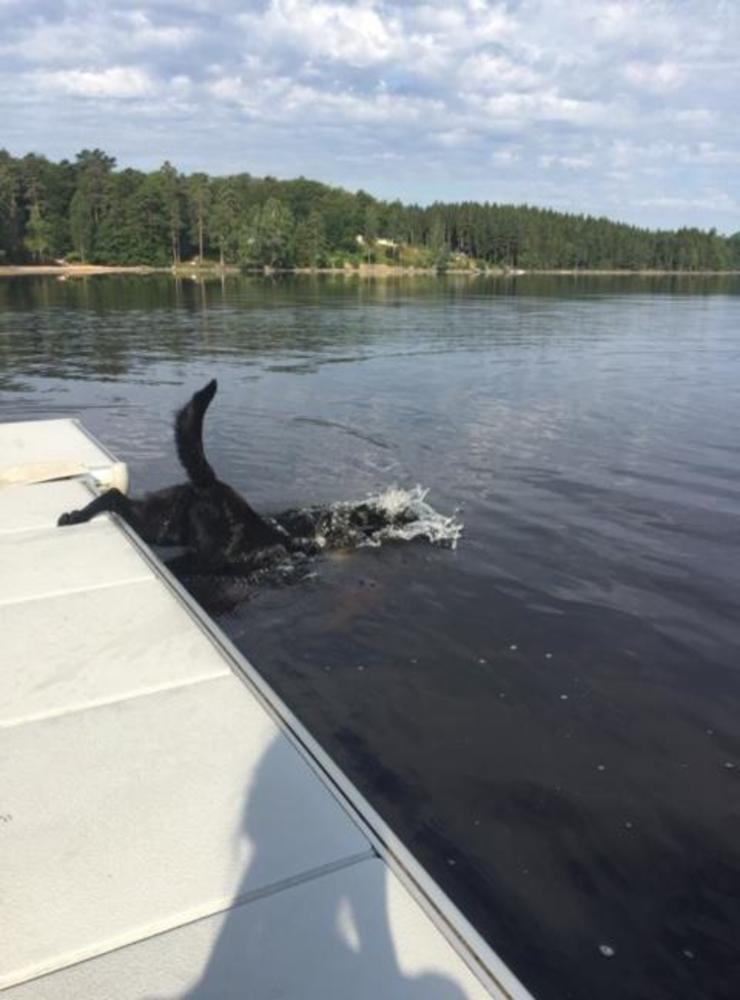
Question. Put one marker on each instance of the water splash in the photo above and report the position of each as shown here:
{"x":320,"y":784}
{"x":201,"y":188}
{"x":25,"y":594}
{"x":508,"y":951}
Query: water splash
{"x":396,"y":514}
{"x":411,"y":517}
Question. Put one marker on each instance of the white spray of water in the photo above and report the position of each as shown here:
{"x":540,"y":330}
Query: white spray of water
{"x":440,"y":529}
{"x":404,"y":515}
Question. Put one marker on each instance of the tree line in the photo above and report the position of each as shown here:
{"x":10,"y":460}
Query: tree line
{"x":89,"y":211}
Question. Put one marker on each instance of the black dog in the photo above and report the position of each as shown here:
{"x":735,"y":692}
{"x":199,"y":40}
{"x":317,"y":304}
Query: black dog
{"x":216,"y":527}
{"x":218,"y":530}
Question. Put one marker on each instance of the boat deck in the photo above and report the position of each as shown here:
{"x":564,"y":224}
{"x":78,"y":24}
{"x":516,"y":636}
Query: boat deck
{"x":168,"y":828}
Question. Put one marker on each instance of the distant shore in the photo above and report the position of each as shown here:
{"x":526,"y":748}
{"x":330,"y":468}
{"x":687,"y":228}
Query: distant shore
{"x":74,"y":270}
{"x":363,"y":270}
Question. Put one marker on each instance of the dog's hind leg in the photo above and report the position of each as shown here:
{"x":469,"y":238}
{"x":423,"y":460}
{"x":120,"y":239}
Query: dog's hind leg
{"x":112,"y":500}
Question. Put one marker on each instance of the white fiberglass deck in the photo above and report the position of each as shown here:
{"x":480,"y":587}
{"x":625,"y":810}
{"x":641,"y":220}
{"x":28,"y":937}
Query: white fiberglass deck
{"x":168,"y":829}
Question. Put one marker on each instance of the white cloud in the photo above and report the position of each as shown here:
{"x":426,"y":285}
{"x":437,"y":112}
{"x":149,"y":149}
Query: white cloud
{"x":708,"y":153}
{"x":695,"y":117}
{"x":453,"y":137}
{"x":350,"y":33}
{"x":711,"y":200}
{"x":506,"y":156}
{"x":93,"y":33}
{"x":116,"y":81}
{"x":143,"y":33}
{"x":521,"y":109}
{"x":657,"y":78}
{"x":549,"y":160}
{"x":496,"y":72}
{"x":282,"y":99}
{"x":423,"y":38}
{"x":617,"y":21}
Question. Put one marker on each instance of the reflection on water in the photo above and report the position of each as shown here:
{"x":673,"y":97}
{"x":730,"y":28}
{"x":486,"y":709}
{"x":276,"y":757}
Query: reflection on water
{"x":548,"y":714}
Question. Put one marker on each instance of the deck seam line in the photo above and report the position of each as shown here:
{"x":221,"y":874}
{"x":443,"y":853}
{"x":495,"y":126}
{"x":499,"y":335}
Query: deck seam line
{"x":196,"y":914}
{"x":52,"y":526}
{"x":106,"y":702}
{"x":9,"y":602}
{"x":10,"y":532}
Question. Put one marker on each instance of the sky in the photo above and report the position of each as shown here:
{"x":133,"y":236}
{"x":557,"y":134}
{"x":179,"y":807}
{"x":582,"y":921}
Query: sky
{"x":623,"y":108}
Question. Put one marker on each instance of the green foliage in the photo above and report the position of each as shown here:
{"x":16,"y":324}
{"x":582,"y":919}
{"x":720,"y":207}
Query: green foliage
{"x":150,"y":231}
{"x":224,"y":219}
{"x":81,"y":224}
{"x":439,"y":249}
{"x":198,"y":192}
{"x":11,"y":242}
{"x":343,"y":218}
{"x":37,"y":234}
{"x":92,"y":183}
{"x":310,"y":241}
{"x":171,"y":193}
{"x":267,"y":237}
{"x":101,"y":214}
{"x":733,"y":251}
{"x":134,"y":226}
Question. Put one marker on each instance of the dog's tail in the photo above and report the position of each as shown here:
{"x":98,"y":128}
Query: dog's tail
{"x":189,"y":436}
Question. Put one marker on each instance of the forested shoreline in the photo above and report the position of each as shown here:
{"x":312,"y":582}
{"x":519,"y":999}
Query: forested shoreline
{"x":88,"y":211}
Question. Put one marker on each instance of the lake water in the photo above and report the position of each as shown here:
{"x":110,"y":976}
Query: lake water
{"x":548,"y":714}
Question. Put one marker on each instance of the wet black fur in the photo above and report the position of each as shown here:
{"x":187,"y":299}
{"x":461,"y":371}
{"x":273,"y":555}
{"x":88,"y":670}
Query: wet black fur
{"x":216,"y":527}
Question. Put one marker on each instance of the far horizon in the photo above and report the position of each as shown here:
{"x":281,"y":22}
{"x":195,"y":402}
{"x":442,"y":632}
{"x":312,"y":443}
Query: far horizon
{"x":624,"y":110}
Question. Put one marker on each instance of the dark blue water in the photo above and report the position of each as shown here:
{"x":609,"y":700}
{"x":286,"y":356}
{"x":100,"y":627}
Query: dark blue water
{"x":548,"y":715}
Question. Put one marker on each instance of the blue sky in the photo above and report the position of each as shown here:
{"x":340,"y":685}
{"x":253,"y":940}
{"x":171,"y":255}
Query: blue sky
{"x":616,"y":107}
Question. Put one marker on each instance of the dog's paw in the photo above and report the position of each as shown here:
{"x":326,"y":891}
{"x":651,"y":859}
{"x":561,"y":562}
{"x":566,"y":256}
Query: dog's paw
{"x":71,"y":517}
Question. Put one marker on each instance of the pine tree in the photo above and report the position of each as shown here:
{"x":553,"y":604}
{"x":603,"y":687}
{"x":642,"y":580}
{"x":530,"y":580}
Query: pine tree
{"x":224,"y":219}
{"x":310,"y":240}
{"x":275,"y":232}
{"x":371,"y":228}
{"x":172,"y":198}
{"x":199,"y":200}
{"x":437,"y":243}
{"x":10,"y":205}
{"x":37,"y":234}
{"x":93,"y":170}
{"x":82,"y":224}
